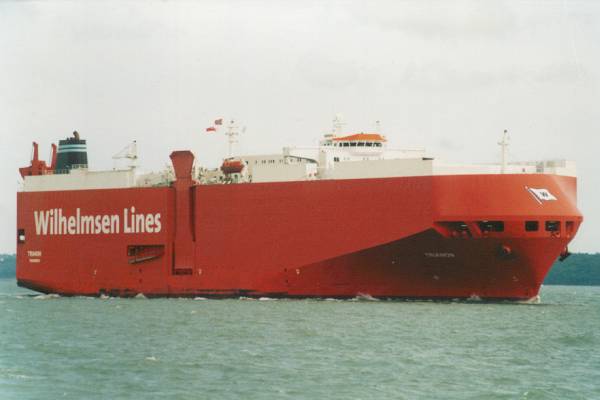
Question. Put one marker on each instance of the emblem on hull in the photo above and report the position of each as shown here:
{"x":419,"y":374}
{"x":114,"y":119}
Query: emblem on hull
{"x":541,"y":194}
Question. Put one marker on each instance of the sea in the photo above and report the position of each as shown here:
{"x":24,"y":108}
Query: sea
{"x":55,"y":347}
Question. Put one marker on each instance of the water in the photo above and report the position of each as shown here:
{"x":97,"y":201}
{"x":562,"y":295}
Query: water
{"x":89,"y":348}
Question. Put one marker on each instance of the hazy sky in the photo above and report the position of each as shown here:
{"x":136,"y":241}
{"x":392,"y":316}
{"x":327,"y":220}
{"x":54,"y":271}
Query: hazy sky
{"x":449,"y":76}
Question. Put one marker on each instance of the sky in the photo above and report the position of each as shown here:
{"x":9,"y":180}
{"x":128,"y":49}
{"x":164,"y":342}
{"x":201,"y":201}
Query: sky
{"x":449,"y":76}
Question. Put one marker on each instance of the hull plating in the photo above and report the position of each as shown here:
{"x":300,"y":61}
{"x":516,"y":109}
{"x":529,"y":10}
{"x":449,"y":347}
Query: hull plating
{"x":393,"y":237}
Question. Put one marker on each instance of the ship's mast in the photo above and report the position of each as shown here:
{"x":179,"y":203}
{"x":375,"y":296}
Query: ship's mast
{"x":504,"y":146}
{"x":338,"y":124}
{"x":232,"y":134}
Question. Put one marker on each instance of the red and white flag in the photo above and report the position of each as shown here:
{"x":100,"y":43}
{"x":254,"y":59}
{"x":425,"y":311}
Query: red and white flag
{"x":211,"y":129}
{"x":219,"y":121}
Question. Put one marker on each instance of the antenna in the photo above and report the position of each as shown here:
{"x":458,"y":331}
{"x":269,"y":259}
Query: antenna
{"x":504,"y":146}
{"x":338,"y":124}
{"x":232,"y":134}
{"x":378,"y":126}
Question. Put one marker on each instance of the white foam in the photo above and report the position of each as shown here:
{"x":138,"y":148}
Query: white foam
{"x":474,"y":298}
{"x":266,"y":299}
{"x":200,"y":298}
{"x":47,"y":296}
{"x":534,"y":300}
{"x":151,"y":358}
{"x":364,"y":297}
{"x":140,"y":296}
{"x":18,"y":376}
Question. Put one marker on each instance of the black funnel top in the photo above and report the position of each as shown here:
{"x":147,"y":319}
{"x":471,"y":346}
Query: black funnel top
{"x":72,"y":153}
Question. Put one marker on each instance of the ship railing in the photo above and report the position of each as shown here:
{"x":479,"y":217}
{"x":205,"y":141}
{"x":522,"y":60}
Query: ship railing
{"x":410,"y":150}
{"x":79,"y":166}
{"x":64,"y":170}
{"x":55,"y":172}
{"x":558,"y":166}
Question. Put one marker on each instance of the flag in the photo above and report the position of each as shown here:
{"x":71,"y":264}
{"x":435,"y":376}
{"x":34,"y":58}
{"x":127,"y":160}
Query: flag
{"x":211,"y":129}
{"x":542,"y":194}
{"x":219,"y":121}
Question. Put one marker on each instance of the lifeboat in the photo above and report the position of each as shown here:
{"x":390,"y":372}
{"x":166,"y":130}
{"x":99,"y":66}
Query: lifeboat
{"x":232,"y":166}
{"x":361,"y":137}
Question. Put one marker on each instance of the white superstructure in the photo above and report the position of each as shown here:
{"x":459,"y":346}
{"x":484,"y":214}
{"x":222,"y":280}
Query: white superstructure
{"x":338,"y":156}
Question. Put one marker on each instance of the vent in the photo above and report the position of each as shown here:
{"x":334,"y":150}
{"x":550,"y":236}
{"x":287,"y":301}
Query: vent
{"x":20,"y":235}
{"x":143,"y":253}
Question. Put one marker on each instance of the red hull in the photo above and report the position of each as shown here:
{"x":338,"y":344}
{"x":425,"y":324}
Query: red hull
{"x":389,"y":237}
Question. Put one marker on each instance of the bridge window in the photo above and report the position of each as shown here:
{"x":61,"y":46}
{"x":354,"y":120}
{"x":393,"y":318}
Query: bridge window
{"x":336,"y":159}
{"x":377,"y":144}
{"x":491,"y":226}
{"x":532,"y":226}
{"x":369,"y":144}
{"x":570,"y":226}
{"x":353,"y":144}
{"x":361,"y":144}
{"x":458,"y":226}
{"x":553,"y":226}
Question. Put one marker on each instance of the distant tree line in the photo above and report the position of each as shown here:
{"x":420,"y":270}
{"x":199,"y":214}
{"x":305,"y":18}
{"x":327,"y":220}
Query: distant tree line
{"x":578,"y":269}
{"x":8,"y":264}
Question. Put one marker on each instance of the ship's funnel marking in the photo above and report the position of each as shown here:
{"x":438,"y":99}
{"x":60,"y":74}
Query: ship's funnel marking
{"x":541,"y":194}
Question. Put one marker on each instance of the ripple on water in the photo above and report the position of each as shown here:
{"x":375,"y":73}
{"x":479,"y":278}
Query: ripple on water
{"x":311,"y":348}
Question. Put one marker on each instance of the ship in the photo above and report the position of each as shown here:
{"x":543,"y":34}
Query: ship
{"x":348,"y":217}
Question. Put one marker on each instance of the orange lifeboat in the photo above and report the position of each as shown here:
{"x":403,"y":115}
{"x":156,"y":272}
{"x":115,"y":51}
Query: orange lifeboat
{"x":232,"y":166}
